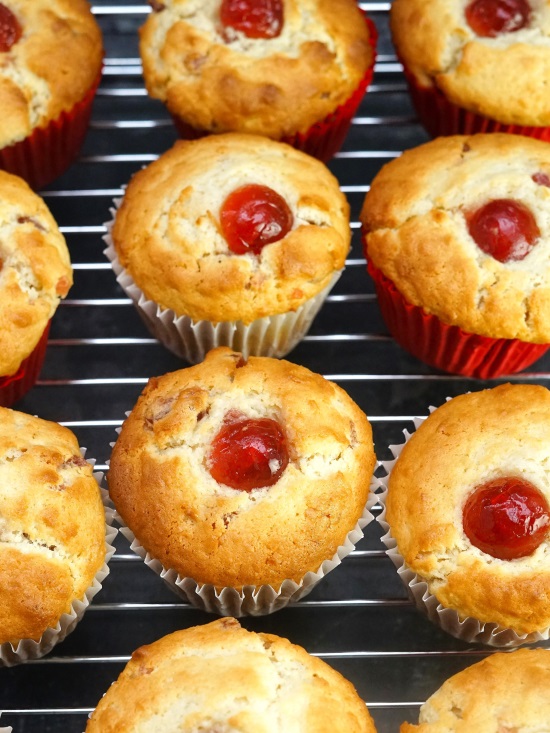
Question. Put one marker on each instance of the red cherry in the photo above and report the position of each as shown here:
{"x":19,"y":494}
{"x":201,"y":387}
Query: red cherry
{"x":506,"y":518}
{"x":254,"y":18}
{"x":541,"y":178}
{"x":10,"y":30}
{"x":253,"y":216}
{"x":490,"y":18}
{"x":249,"y":454}
{"x":504,"y":229}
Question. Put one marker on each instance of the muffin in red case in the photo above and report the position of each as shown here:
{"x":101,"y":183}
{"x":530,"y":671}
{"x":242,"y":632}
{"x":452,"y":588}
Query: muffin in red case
{"x":51,"y":55}
{"x":476,"y":66}
{"x":457,"y":238}
{"x":296,"y":75}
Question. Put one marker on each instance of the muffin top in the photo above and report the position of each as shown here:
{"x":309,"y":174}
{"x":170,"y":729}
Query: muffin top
{"x":52,"y":525}
{"x":504,"y":76}
{"x":438,"y":522}
{"x":49,"y":64}
{"x":229,"y":530}
{"x":218,"y":79}
{"x":428,"y":228}
{"x":35,"y":270}
{"x":220,"y":677}
{"x":168,"y":232}
{"x":505,"y":692}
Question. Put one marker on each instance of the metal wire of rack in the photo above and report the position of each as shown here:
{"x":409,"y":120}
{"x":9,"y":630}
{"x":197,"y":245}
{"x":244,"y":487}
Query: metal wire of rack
{"x":100,"y":356}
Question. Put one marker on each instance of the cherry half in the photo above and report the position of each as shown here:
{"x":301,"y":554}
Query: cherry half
{"x":503,"y":228}
{"x":490,"y":18}
{"x":253,"y":216}
{"x":254,"y":18}
{"x":248,"y":453}
{"x":541,"y":178}
{"x":507,"y":518}
{"x":10,"y":30}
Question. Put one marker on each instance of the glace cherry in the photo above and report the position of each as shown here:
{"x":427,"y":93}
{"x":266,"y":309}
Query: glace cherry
{"x":254,"y":18}
{"x":10,"y":30}
{"x":503,"y":228}
{"x":490,"y":18}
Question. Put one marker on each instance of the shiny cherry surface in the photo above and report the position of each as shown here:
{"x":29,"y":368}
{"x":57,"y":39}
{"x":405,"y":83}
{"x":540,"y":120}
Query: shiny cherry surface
{"x":490,"y":18}
{"x":253,"y":216}
{"x":254,"y":18}
{"x":503,"y":228}
{"x":249,"y":453}
{"x":507,"y":518}
{"x":10,"y":30}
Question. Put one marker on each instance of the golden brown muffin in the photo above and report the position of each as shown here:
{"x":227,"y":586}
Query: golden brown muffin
{"x":415,"y":223}
{"x":471,"y":440}
{"x":222,"y":81}
{"x":35,"y":270}
{"x":51,"y":67}
{"x":220,"y":677}
{"x":505,"y":693}
{"x":161,"y":484}
{"x":52,"y":525}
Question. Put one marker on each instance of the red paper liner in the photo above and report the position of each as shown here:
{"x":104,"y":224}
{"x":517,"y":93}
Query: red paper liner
{"x":445,"y":347}
{"x":48,"y":151}
{"x":439,"y":116}
{"x":323,"y":139}
{"x":12,"y":388}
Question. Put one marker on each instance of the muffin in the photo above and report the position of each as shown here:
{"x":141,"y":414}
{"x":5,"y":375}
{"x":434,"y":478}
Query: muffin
{"x":230,"y":240}
{"x":468,"y":517}
{"x":50,"y":66}
{"x":54,"y":542}
{"x":221,"y":677}
{"x":292,"y":71}
{"x":249,"y":476}
{"x":476,"y":65}
{"x":457,"y":238}
{"x":505,"y":692}
{"x":35,"y":274}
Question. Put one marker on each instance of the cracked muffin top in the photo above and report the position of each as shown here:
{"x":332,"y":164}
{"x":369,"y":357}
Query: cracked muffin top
{"x":461,"y":226}
{"x":218,"y":78}
{"x":235,"y":472}
{"x":500,"y":72}
{"x":52,"y":525}
{"x":168,"y":232}
{"x":221,"y":678}
{"x":483,"y":553}
{"x":504,"y":693}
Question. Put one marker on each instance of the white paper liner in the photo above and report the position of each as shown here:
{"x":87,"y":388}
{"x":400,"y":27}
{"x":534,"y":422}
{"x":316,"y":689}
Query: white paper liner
{"x":467,"y":629}
{"x":191,"y":340}
{"x":30,"y":649}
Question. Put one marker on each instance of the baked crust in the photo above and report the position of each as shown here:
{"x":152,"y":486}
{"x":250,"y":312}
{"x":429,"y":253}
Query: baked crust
{"x":416,"y":233}
{"x":52,"y":66}
{"x":35,"y":270}
{"x":472,"y":439}
{"x":52,"y":525}
{"x":504,"y":692}
{"x":220,"y":677}
{"x":160,"y":482}
{"x":167,"y":232}
{"x":273,"y":87}
{"x":505,"y":78}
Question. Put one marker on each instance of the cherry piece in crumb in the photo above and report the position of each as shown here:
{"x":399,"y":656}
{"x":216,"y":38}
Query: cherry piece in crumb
{"x":503,"y":228}
{"x":249,"y":453}
{"x":253,"y":216}
{"x":542,"y":179}
{"x":254,"y":18}
{"x":506,"y":518}
{"x":490,"y":18}
{"x":10,"y":30}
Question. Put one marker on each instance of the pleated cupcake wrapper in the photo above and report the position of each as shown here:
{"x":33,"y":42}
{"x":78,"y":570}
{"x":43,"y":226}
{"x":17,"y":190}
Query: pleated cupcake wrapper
{"x":28,"y":648}
{"x":466,"y":629}
{"x":12,"y":388}
{"x":272,"y":336}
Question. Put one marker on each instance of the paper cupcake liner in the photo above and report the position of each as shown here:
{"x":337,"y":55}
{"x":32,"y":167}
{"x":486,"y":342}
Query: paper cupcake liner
{"x":12,"y":388}
{"x":48,"y":151}
{"x":466,"y":629}
{"x":323,"y":139}
{"x":191,"y":340}
{"x":28,"y":648}
{"x":445,"y":347}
